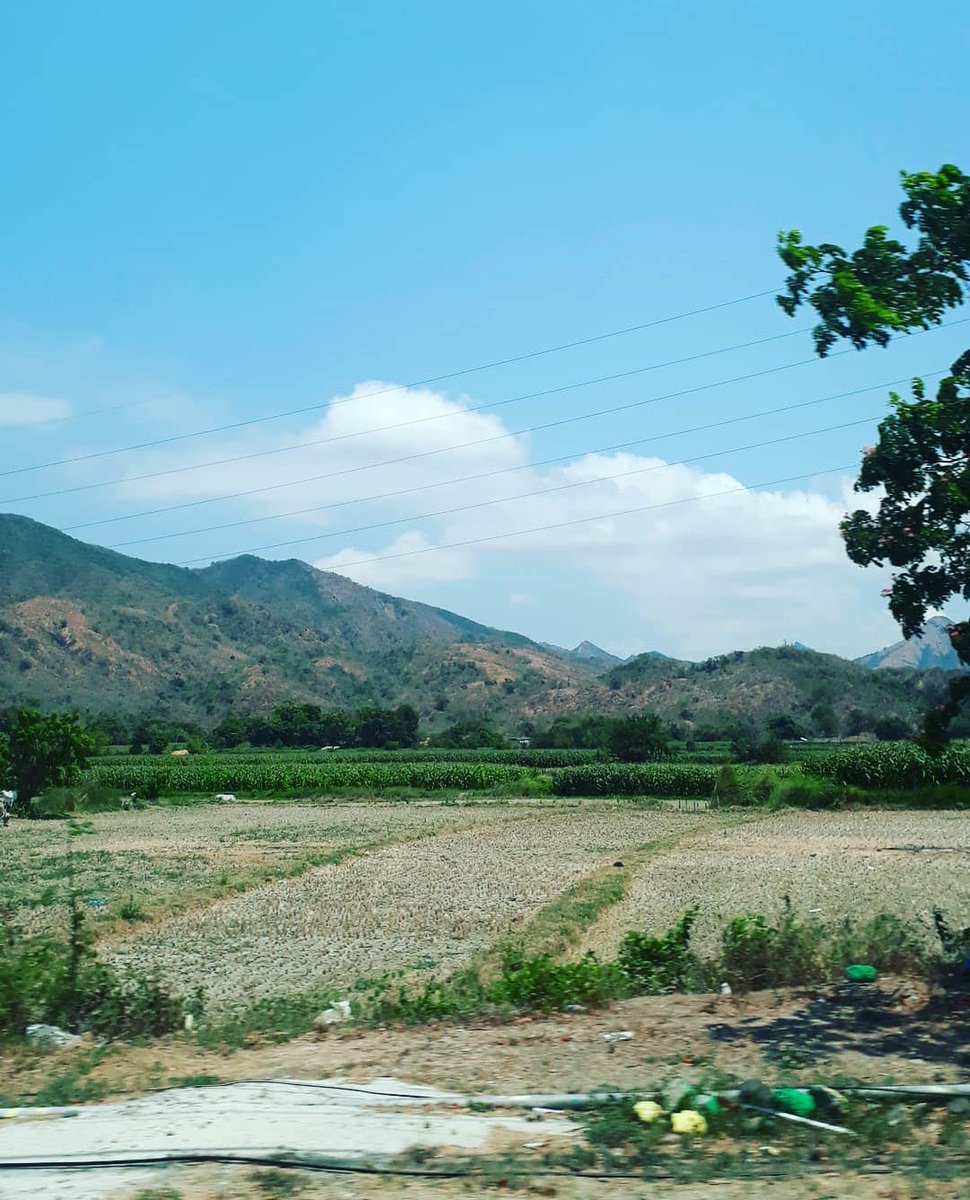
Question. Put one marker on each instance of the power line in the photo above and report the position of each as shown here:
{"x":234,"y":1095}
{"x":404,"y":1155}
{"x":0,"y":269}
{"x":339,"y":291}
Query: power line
{"x":300,"y":512}
{"x":235,"y":458}
{"x":427,"y":453}
{"x":487,"y":366}
{"x":445,"y":512}
{"x":186,"y":437}
{"x":625,"y":512}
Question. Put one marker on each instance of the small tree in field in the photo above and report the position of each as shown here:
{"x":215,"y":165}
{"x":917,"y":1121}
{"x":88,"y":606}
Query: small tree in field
{"x":921,"y":462}
{"x":44,"y":750}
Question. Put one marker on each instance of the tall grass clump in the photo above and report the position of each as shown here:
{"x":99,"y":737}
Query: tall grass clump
{"x":54,"y":981}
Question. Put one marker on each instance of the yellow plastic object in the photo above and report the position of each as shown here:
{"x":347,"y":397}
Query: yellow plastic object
{"x":688,"y":1121}
{"x":647,"y":1110}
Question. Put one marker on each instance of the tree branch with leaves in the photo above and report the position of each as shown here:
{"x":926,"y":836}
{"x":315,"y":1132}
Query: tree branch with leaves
{"x":920,"y":464}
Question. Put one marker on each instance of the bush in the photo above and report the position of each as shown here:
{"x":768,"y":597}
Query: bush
{"x":728,"y":789}
{"x":46,"y":980}
{"x":655,"y":965}
{"x":883,"y":941}
{"x":807,"y":793}
{"x":543,"y":985}
{"x":756,"y":954}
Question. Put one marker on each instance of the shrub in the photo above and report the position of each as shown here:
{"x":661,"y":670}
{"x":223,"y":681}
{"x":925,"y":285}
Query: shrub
{"x":807,"y":793}
{"x":543,"y":985}
{"x":883,"y":941}
{"x":756,"y":954}
{"x":44,"y":979}
{"x":654,"y":965}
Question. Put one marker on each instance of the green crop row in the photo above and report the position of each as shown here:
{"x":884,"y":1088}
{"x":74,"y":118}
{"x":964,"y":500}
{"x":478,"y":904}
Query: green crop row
{"x":890,"y":765}
{"x":635,"y":779}
{"x":536,"y":759}
{"x":226,"y":774}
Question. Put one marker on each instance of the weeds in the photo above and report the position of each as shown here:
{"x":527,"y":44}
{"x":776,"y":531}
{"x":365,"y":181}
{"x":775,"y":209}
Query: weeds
{"x":757,"y":954}
{"x":654,"y":965}
{"x":276,"y":1183}
{"x":131,"y":910}
{"x":46,"y":980}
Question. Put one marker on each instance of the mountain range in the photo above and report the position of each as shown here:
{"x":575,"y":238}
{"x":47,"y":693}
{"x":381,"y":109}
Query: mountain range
{"x":85,"y":627}
{"x":931,"y":648}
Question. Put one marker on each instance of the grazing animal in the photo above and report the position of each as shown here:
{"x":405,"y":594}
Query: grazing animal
{"x":6,"y":806}
{"x":225,"y":797}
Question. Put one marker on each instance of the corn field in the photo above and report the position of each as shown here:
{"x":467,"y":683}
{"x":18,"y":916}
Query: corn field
{"x":890,"y":765}
{"x":280,"y":773}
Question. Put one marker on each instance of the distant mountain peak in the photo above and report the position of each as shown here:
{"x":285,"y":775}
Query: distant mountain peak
{"x":930,"y":648}
{"x":590,"y":652}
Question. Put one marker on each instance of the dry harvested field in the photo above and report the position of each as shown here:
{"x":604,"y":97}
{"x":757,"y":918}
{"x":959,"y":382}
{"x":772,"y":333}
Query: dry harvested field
{"x":256,"y":900}
{"x":177,"y":858}
{"x":829,"y":864}
{"x":433,"y":902}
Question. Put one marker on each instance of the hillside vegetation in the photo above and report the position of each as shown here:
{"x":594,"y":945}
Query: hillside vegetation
{"x":88,"y":628}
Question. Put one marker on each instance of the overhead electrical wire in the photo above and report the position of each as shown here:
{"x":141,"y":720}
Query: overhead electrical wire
{"x":562,"y":487}
{"x":461,"y":479}
{"x":440,"y":450}
{"x":235,"y":458}
{"x":185,"y":437}
{"x":486,"y":366}
{"x":625,"y":512}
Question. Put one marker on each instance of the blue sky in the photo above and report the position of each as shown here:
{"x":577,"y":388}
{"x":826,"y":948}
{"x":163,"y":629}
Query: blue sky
{"x":217,"y":212}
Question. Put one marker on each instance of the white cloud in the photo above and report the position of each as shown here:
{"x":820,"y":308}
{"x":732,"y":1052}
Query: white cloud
{"x":378,"y":439}
{"x":705,"y":565}
{"x":704,"y":570}
{"x":23,"y":408}
{"x":404,"y":563}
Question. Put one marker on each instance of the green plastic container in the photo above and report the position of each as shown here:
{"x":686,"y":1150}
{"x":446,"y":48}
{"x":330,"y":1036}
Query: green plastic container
{"x":794,"y":1100}
{"x":861,"y":973}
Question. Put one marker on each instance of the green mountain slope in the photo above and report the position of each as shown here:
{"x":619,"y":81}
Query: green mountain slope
{"x":85,"y":627}
{"x":810,"y":687}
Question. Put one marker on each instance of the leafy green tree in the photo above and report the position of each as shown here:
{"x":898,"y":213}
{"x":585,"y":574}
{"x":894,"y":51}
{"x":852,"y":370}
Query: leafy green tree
{"x":470,"y":734}
{"x":922,"y":458}
{"x":45,"y":750}
{"x":640,"y":738}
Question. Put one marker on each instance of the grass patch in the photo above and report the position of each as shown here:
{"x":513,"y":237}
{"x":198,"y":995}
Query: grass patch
{"x":276,"y":1183}
{"x":60,"y":981}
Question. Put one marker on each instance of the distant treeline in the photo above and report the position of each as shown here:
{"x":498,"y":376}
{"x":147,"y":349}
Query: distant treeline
{"x":636,"y":737}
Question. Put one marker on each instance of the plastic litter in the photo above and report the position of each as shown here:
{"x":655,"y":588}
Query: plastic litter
{"x":753,"y":1091}
{"x":688,"y":1121}
{"x":340,"y":1012}
{"x":648,"y":1111}
{"x":708,"y":1105}
{"x":794,"y":1100}
{"x":50,"y":1035}
{"x":622,"y":1035}
{"x":861,"y":973}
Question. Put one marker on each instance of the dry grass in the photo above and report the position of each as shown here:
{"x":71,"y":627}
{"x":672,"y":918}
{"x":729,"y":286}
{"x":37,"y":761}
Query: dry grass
{"x":433,"y":902}
{"x":259,"y":900}
{"x":830,"y":864}
{"x":173,"y":859}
